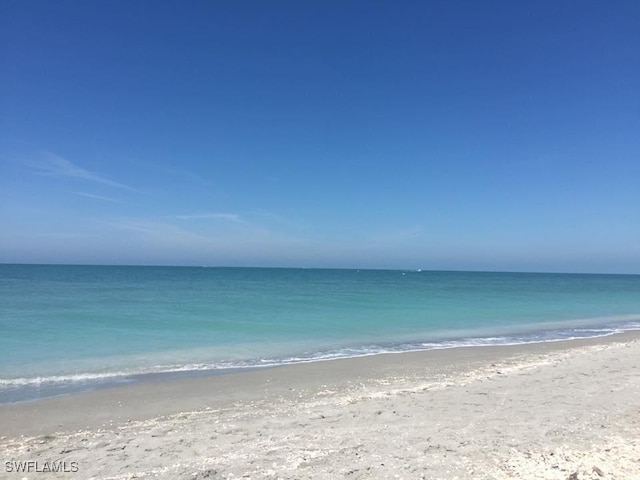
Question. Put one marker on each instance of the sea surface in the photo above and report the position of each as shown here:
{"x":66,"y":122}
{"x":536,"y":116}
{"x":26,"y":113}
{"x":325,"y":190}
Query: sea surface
{"x":65,"y":329}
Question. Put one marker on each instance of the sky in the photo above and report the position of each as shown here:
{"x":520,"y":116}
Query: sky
{"x":455,"y":135}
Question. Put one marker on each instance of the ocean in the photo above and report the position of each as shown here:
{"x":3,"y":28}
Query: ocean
{"x":65,"y":329}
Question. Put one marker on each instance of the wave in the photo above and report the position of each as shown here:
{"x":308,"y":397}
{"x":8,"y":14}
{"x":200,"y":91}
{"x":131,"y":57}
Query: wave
{"x":96,"y":378}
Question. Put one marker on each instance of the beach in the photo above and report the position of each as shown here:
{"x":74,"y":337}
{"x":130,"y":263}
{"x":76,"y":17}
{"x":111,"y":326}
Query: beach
{"x":554,"y":410}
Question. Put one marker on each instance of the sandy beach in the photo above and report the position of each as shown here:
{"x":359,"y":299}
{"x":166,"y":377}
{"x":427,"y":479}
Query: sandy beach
{"x":562,"y":410}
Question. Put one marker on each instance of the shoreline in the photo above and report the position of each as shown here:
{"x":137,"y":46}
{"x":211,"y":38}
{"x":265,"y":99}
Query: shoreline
{"x":512,"y":390}
{"x":44,"y":388}
{"x":199,"y":387}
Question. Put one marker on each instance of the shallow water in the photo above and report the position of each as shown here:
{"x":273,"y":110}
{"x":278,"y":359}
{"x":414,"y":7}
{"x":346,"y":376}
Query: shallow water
{"x":68,"y":328}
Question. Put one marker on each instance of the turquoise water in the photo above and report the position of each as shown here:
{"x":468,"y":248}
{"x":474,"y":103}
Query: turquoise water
{"x":68,"y":328}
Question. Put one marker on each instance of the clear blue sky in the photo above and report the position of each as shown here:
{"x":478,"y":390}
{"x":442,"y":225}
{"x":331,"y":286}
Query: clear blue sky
{"x":492,"y":135}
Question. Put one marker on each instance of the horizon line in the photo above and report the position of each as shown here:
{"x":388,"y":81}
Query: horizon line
{"x":413,"y":270}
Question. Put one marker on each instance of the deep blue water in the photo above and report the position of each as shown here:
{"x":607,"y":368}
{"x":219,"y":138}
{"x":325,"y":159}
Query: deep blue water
{"x":67,"y":328}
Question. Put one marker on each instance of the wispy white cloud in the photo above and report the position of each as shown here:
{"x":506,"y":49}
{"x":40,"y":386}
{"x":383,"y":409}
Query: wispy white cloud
{"x":195,"y":178}
{"x":55,"y":165}
{"x":232,"y":231}
{"x":232,"y":217}
{"x":156,"y":241}
{"x":159,"y":230}
{"x":97,"y":197}
{"x":398,"y":236}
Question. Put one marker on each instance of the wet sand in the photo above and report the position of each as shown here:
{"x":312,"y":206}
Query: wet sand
{"x":560,"y":410}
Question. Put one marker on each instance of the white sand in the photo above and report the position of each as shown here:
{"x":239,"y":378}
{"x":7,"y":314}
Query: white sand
{"x":569,"y":410}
